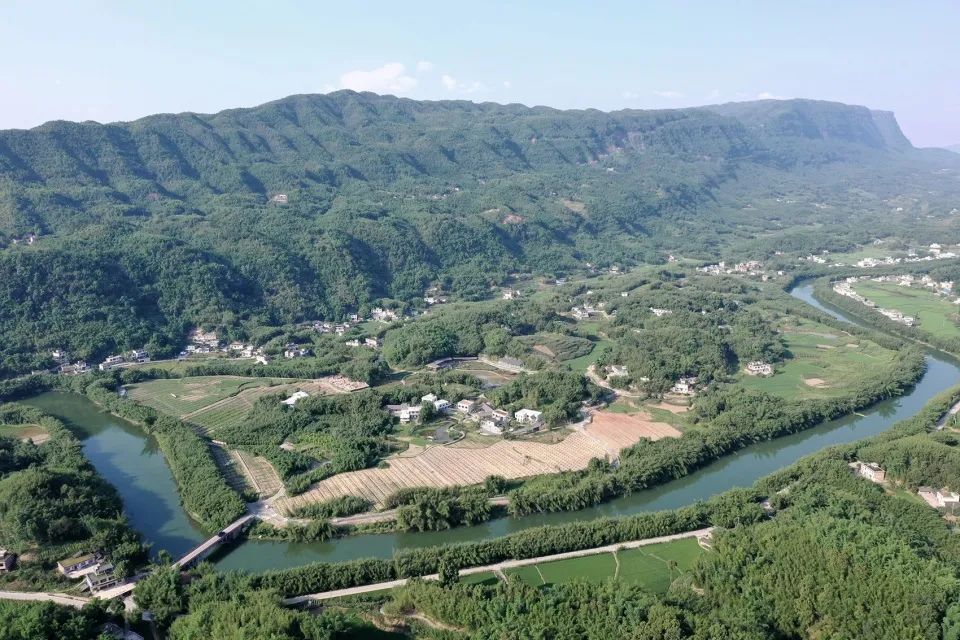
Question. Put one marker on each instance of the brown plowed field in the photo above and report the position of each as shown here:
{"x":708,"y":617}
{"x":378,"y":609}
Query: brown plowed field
{"x":619,"y":430}
{"x":452,"y":466}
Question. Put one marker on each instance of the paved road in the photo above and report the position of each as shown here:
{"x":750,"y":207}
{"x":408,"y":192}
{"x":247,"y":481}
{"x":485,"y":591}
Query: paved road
{"x":35,"y":596}
{"x":498,"y":567}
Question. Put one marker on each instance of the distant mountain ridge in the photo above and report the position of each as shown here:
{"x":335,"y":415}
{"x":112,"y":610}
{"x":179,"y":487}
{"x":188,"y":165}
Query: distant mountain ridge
{"x":146,"y":227}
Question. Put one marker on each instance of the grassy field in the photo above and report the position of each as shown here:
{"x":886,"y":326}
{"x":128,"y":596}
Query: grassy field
{"x":935,"y":314}
{"x":558,"y":347}
{"x":649,"y":566}
{"x":822,"y":362}
{"x":33,"y":432}
{"x":181,"y":396}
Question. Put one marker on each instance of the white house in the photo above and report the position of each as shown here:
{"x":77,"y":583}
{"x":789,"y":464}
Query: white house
{"x":405,"y":412}
{"x":466,"y":405}
{"x":430,"y":397}
{"x":491,"y":427}
{"x":685,"y":386}
{"x":528,"y":416}
{"x":759,"y":368}
{"x":373,"y":343}
{"x":441,"y":405}
{"x":939,"y":498}
{"x":110,"y":363}
{"x":139,"y":355}
{"x":616,"y":370}
{"x":296,"y":397}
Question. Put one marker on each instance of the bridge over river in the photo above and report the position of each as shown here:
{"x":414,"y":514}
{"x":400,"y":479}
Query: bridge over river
{"x":201,"y":551}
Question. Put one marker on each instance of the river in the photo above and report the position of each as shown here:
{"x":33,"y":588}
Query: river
{"x":129,"y":459}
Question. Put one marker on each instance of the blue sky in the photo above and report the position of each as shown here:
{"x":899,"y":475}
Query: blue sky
{"x":110,"y":60}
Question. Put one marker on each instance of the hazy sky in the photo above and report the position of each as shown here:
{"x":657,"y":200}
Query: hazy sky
{"x":112,"y":60}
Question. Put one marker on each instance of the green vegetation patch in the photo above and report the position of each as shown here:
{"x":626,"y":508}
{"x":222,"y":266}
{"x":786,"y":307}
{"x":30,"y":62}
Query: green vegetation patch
{"x":558,"y":347}
{"x":821,"y":362}
{"x":180,"y":396}
{"x":935,"y":314}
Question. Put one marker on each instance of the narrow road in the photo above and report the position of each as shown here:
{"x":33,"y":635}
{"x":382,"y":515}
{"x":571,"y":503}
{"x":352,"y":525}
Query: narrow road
{"x":36,"y":596}
{"x":598,"y":380}
{"x":498,"y":567}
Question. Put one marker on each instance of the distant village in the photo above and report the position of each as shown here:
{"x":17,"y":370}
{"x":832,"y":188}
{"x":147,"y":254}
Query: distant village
{"x":942,"y":288}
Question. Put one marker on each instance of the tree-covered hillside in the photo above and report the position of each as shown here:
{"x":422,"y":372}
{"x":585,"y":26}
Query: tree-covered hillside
{"x":124,"y":234}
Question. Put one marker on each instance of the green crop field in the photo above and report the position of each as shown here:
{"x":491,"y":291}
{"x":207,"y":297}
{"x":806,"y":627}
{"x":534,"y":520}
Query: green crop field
{"x":181,"y":396}
{"x":648,"y":566}
{"x":556,"y":346}
{"x":822,"y":362}
{"x":935,"y":314}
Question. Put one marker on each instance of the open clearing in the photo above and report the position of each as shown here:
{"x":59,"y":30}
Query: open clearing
{"x":935,"y":314}
{"x":181,"y":396}
{"x":619,"y":430}
{"x":27,"y":432}
{"x":647,"y":566}
{"x":822,"y":363}
{"x":452,"y":466}
{"x":214,"y":402}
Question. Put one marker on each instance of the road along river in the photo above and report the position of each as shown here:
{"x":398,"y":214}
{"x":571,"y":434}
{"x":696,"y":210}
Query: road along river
{"x":129,"y":459}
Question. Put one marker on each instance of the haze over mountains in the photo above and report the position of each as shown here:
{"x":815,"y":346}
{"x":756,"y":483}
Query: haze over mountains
{"x":142,"y":229}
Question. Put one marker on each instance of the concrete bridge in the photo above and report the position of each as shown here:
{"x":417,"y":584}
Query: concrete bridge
{"x":229,"y":533}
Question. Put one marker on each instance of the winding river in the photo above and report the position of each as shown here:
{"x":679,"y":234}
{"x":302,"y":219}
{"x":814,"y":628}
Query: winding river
{"x":129,"y":459}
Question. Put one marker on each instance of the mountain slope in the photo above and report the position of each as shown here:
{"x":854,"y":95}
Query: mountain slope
{"x":147,"y":227}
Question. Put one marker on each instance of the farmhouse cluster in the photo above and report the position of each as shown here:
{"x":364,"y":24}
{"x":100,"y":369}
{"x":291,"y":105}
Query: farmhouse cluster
{"x":490,"y":420}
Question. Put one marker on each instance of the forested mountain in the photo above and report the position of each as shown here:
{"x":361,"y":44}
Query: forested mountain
{"x":124,"y":234}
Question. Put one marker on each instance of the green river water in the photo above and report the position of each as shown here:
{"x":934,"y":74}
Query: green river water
{"x":131,"y":461}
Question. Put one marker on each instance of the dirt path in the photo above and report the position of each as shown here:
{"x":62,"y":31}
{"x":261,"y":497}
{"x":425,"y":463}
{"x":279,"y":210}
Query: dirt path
{"x":36,"y":596}
{"x":596,"y":379}
{"x":500,"y":566}
{"x":954,"y":410}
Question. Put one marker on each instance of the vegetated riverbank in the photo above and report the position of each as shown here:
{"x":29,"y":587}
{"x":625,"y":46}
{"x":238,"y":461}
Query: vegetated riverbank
{"x":203,"y":491}
{"x":824,"y":291}
{"x":732,"y":508}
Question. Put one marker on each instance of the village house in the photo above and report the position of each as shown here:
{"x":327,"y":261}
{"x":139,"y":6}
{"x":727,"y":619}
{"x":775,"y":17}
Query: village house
{"x":870,"y":470}
{"x":198,"y":336}
{"x":138,"y":355}
{"x":938,"y":498}
{"x":280,"y":198}
{"x":8,"y":561}
{"x":405,"y":412}
{"x":686,"y":386}
{"x":441,"y":406}
{"x":759,"y":368}
{"x":616,"y":370}
{"x":466,"y":405}
{"x":384,"y":315}
{"x":528,"y":416}
{"x":78,"y":367}
{"x":430,"y":398}
{"x":60,"y":356}
{"x":296,"y":397}
{"x":373,"y":343}
{"x":660,"y":312}
{"x":491,"y":427}
{"x":580,"y":313}
{"x":292,"y":351}
{"x":70,"y":566}
{"x":102,"y":577}
{"x":355,"y":342}
{"x":262,"y":359}
{"x":111,"y":362}
{"x":511,"y":294}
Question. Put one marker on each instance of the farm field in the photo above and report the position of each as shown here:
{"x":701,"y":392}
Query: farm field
{"x":557,"y":347}
{"x":259,"y":472}
{"x":822,"y":362}
{"x":581,"y":363}
{"x":935,"y":314}
{"x":454,"y":466}
{"x":32,"y":432}
{"x":649,"y":566}
{"x":229,"y":466}
{"x":215,"y":402}
{"x":181,"y":396}
{"x":618,"y":430}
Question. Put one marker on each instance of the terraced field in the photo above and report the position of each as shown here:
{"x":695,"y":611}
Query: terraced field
{"x":182,"y":396}
{"x":454,"y":466}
